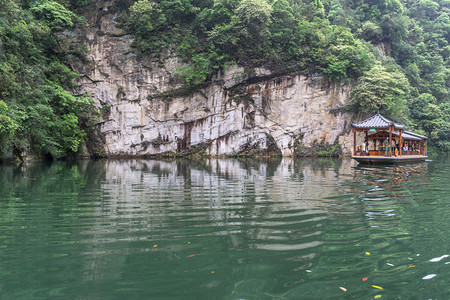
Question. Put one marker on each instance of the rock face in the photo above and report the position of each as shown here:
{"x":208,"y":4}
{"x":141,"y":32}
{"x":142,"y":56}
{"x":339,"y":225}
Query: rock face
{"x":149,"y":113}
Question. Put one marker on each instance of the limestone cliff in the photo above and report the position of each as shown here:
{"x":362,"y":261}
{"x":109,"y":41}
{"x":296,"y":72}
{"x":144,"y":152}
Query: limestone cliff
{"x":147,"y":112}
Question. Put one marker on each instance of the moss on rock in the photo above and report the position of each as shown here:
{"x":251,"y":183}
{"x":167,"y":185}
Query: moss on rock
{"x":255,"y":149}
{"x":318,"y":149}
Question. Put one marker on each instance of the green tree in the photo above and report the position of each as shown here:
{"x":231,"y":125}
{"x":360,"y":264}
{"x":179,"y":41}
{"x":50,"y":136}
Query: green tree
{"x":53,"y":14}
{"x":370,"y":32}
{"x":39,"y":112}
{"x":283,"y":29}
{"x":7,"y":127}
{"x":378,"y":89}
{"x":253,"y":18}
{"x":425,"y":110}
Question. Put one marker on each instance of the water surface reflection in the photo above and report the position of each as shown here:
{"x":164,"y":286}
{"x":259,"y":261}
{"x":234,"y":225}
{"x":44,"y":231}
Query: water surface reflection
{"x":220,"y":228}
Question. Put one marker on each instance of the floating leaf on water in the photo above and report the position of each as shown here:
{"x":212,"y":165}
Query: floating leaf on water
{"x":192,"y":255}
{"x":438,"y":258}
{"x":412,"y":266}
{"x":212,"y":272}
{"x":429,"y":276}
{"x":309,"y":271}
{"x":390,"y":264}
{"x":377,"y":296}
{"x":377,"y":287}
{"x":189,"y":242}
{"x":154,"y":246}
{"x":365,"y":278}
{"x":343,"y":288}
{"x":367,"y":253}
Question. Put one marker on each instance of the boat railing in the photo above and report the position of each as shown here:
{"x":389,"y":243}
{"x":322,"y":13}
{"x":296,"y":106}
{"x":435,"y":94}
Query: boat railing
{"x":381,"y":151}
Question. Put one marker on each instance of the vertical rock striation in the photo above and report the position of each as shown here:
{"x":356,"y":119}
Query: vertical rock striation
{"x":238,"y":112}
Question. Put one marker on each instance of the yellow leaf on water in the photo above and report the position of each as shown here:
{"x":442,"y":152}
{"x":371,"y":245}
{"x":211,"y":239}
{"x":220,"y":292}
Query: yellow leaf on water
{"x":377,"y":287}
{"x":413,"y":266}
{"x":367,"y":253}
{"x":154,"y":246}
{"x":377,"y":296}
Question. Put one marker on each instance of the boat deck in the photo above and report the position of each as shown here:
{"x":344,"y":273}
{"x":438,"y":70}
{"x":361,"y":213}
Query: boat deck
{"x":372,"y":159}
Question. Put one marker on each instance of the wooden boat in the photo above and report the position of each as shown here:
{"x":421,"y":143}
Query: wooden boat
{"x":389,"y":160}
{"x":391,"y":143}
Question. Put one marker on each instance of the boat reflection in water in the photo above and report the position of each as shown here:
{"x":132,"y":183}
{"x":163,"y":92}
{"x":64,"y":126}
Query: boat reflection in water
{"x":225,"y":228}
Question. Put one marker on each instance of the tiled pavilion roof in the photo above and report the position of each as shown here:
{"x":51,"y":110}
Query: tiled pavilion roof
{"x":377,"y":121}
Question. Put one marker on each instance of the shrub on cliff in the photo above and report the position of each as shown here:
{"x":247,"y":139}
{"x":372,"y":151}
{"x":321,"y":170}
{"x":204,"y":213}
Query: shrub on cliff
{"x":249,"y":32}
{"x":38,"y":112}
{"x":318,"y":148}
{"x":383,"y":90}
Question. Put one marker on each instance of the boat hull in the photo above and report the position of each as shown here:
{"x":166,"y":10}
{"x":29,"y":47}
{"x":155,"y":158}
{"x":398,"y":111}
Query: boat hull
{"x":389,"y":160}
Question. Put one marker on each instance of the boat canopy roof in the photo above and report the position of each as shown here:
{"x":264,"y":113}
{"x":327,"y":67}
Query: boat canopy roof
{"x":419,"y":136}
{"x":377,"y":121}
{"x":407,"y":135}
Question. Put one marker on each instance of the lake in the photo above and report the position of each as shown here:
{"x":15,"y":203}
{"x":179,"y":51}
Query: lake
{"x":225,"y":229}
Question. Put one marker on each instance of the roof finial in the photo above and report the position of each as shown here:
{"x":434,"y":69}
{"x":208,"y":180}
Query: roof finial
{"x":378,"y":112}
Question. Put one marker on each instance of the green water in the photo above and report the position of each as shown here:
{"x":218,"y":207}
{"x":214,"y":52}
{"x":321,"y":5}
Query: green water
{"x":224,"y":229}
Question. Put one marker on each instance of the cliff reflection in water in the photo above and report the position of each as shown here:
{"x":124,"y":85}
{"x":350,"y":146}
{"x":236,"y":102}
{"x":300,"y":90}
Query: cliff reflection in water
{"x":271,"y":221}
{"x":230,"y":192}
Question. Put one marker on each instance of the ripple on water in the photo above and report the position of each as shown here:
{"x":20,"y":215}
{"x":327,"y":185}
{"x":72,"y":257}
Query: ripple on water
{"x":292,"y":229}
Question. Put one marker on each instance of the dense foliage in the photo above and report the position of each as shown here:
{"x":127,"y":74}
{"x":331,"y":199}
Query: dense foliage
{"x":396,"y":53}
{"x":37,"y":111}
{"x":415,"y":36}
{"x":396,"y":49}
{"x":210,"y":34}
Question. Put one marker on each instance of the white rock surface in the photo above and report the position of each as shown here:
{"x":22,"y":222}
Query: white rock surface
{"x":227,"y":115}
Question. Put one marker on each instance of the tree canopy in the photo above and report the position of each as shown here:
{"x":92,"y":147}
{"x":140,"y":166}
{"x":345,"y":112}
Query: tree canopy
{"x":37,"y":110}
{"x":396,"y":52}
